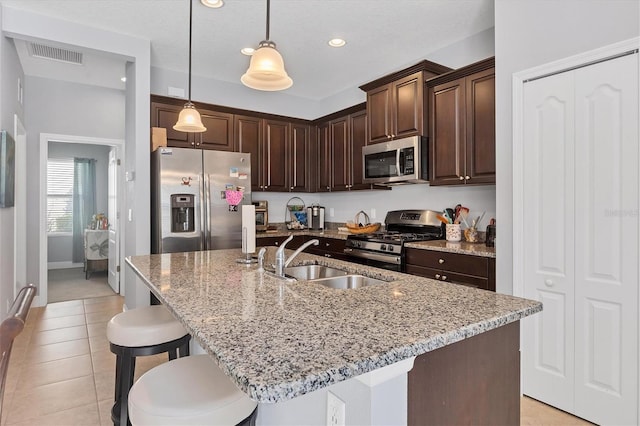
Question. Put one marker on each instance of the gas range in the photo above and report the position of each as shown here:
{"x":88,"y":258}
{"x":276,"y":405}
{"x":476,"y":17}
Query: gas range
{"x":385,"y":249}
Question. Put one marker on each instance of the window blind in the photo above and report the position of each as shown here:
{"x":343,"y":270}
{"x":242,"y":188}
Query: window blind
{"x":60,"y":195}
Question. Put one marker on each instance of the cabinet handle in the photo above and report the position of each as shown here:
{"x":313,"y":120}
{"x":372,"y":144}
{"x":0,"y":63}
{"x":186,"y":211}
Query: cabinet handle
{"x":388,"y":136}
{"x":461,"y":177}
{"x":444,"y":278}
{"x":441,"y":261}
{"x":327,"y":255}
{"x":437,"y":276}
{"x":392,"y":135}
{"x":291,"y":188}
{"x":328,"y":188}
{"x":467,"y":178}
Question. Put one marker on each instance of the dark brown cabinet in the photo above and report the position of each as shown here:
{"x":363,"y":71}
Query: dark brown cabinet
{"x":218,"y":136}
{"x":297,"y":241}
{"x":473,"y":271}
{"x":340,"y":143}
{"x":280,"y":153}
{"x":328,"y":247}
{"x":396,"y":105}
{"x":462,"y":126}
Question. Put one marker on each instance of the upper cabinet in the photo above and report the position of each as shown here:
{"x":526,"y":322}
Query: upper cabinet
{"x":279,"y":153}
{"x":462,"y":126}
{"x":396,"y":106}
{"x":340,"y":142}
{"x":218,"y":136}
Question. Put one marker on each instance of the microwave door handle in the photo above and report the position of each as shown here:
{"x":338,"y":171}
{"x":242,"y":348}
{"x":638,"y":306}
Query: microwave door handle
{"x":398,"y":172}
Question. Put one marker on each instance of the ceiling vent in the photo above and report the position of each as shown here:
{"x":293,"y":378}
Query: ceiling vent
{"x":55,"y":53}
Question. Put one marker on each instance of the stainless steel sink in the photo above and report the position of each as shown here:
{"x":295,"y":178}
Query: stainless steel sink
{"x":348,"y":282}
{"x":313,"y":272}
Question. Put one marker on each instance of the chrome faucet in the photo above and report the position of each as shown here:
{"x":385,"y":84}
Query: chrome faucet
{"x":281,"y":263}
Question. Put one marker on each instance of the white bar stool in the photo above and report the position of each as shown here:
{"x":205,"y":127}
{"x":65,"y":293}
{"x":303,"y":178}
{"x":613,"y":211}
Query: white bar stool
{"x":138,"y":332}
{"x":189,"y":391}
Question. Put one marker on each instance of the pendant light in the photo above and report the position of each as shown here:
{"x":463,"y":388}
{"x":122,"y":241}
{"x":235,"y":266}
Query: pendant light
{"x":189,"y":119}
{"x":266,"y":69}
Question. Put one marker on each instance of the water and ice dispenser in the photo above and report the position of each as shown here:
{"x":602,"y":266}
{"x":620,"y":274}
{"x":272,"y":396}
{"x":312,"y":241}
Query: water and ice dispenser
{"x":182,"y":213}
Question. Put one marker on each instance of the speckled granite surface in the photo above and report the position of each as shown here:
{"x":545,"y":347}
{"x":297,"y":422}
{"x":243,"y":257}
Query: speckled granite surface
{"x":285,"y":233}
{"x":475,"y":249}
{"x":279,"y":340}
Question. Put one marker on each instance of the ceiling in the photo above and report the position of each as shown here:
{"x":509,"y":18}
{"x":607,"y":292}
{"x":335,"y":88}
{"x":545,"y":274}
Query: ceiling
{"x":382,"y":36}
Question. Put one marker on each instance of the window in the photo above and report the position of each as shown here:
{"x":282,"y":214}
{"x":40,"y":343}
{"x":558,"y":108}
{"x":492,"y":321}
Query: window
{"x":60,"y":195}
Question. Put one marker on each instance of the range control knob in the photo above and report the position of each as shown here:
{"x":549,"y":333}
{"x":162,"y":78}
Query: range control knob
{"x":383,"y":247}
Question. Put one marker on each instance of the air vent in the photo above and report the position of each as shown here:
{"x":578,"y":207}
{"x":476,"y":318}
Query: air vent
{"x":55,"y":53}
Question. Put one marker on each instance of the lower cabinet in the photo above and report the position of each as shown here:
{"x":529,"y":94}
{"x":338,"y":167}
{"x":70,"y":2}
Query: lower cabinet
{"x":472,"y":271}
{"x":328,"y":247}
{"x":297,"y":241}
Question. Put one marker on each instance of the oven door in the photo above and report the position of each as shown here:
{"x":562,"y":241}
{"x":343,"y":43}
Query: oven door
{"x":391,"y":262}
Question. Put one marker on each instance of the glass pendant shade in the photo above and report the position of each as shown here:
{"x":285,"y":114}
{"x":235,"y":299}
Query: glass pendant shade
{"x":266,"y":69}
{"x":189,"y":120}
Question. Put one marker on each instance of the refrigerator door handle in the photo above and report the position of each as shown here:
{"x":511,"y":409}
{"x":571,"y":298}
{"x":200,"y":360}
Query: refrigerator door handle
{"x":207,"y":211}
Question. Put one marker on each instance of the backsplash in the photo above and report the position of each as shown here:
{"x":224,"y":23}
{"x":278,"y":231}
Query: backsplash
{"x":344,"y":205}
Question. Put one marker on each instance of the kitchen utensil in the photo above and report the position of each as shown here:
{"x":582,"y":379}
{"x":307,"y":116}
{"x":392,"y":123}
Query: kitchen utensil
{"x":442,"y":219}
{"x":456,"y":213}
{"x":464,"y":213}
{"x":448,"y":217}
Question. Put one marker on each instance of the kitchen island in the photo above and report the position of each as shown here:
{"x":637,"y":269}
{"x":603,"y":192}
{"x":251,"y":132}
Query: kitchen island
{"x":283,"y":342}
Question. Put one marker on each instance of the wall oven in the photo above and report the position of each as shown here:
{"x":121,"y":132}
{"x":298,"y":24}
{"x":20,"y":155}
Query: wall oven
{"x":396,"y":162}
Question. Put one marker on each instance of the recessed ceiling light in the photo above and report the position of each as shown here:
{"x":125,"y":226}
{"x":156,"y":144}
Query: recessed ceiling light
{"x":123,"y":79}
{"x":213,"y":3}
{"x":247,"y":51}
{"x":337,"y":42}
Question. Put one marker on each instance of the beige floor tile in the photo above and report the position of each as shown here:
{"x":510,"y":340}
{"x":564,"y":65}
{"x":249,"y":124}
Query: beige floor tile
{"x":105,"y":384}
{"x":56,"y":351}
{"x":61,"y":322}
{"x":78,"y":416}
{"x":535,"y":413}
{"x":98,"y":343}
{"x":101,"y":317}
{"x":99,"y":329}
{"x":104,"y":407}
{"x":63,"y":305}
{"x":111,"y":305}
{"x":54,"y":371}
{"x":52,"y":398}
{"x":64,"y":311}
{"x":103,"y":360}
{"x":103,"y":299}
{"x":58,"y":335}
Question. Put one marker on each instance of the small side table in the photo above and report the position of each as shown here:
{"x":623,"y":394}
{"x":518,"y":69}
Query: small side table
{"x":96,"y":251}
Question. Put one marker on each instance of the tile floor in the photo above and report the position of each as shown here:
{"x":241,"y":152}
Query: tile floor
{"x":62,"y":371}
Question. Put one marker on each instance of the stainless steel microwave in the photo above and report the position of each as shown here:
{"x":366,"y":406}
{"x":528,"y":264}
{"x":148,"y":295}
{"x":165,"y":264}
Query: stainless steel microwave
{"x":396,"y":162}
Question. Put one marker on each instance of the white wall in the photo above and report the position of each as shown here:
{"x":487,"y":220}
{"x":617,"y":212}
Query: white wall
{"x":59,"y":247}
{"x":234,"y":94}
{"x":530,"y":33}
{"x":58,"y":107}
{"x":10,"y":73}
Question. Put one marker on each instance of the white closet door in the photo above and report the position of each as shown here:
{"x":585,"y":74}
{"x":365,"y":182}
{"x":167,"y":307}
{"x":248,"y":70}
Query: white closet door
{"x":547,"y":346}
{"x":114,"y":222}
{"x":606,"y":241}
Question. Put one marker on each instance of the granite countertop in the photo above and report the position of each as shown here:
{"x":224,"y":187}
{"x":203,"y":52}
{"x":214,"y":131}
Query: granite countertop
{"x":278,"y":340}
{"x":328,"y":233}
{"x":475,"y":249}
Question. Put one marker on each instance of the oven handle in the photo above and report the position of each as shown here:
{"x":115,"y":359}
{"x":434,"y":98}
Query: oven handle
{"x":396,"y":260}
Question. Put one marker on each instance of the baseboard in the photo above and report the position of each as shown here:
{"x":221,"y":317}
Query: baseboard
{"x":64,"y":265}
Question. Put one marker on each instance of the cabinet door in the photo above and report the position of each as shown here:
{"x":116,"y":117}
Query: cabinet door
{"x":358,"y":127}
{"x":379,"y":113}
{"x":219,"y":134}
{"x":340,"y":153}
{"x":274,"y":150}
{"x":446,"y":133}
{"x":324,"y":159}
{"x":164,"y":115}
{"x":299,"y":158}
{"x":248,"y":131}
{"x":408,"y":106}
{"x":481,"y":127}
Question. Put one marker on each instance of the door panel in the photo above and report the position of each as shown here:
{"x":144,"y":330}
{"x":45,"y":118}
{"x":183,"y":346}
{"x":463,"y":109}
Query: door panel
{"x":481,"y":127}
{"x":547,"y":346}
{"x":275,"y":154}
{"x":248,"y":131}
{"x":113,"y":214}
{"x":340,"y":154}
{"x":408,"y":114}
{"x":607,"y":159}
{"x":299,"y":159}
{"x":219,"y":133}
{"x":379,"y":113}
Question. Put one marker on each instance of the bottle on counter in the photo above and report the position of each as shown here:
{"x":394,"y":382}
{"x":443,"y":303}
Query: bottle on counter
{"x":491,"y":234}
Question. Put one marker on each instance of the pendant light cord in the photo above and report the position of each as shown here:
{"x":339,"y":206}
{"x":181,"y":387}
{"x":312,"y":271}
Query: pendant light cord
{"x":268,"y":2}
{"x":190,"y":25}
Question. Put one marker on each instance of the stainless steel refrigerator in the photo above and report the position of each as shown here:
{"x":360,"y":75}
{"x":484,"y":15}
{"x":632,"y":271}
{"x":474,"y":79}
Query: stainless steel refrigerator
{"x":197,"y":198}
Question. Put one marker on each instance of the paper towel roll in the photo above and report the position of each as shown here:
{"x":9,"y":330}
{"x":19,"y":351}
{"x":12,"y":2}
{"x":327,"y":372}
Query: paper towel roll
{"x":248,"y":228}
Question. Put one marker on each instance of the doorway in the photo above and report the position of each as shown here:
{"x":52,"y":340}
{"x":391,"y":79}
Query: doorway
{"x":82,"y":277}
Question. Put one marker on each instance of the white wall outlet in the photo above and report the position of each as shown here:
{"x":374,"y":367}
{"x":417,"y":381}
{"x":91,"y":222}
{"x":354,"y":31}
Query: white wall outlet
{"x":373,"y":213}
{"x":335,"y":410}
{"x":332,"y":212}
